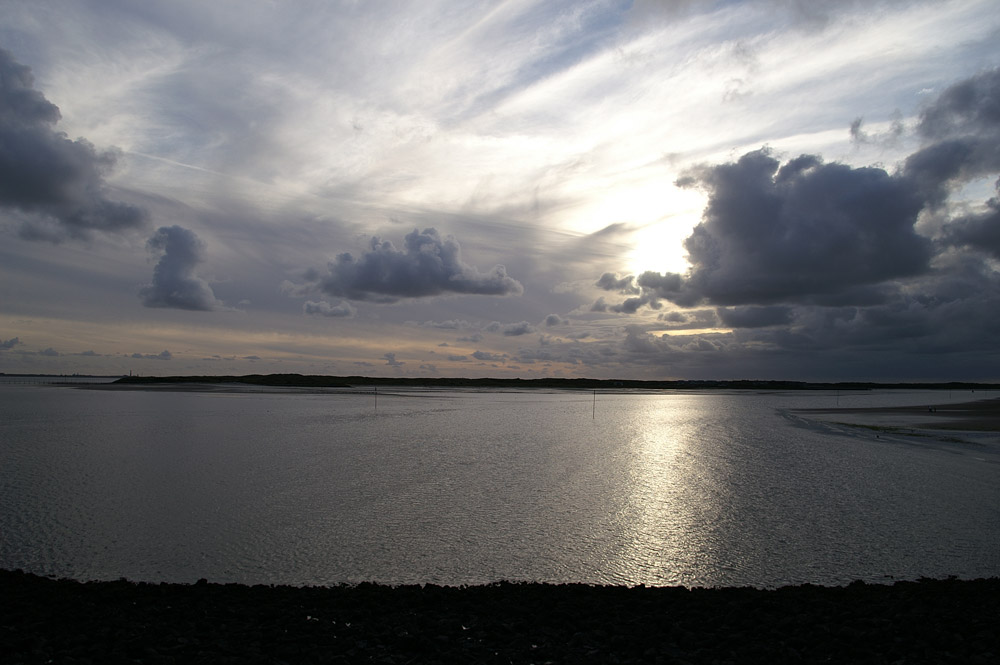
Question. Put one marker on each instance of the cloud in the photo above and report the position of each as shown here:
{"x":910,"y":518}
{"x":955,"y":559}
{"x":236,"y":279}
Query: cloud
{"x":174,"y":283}
{"x":969,"y":107}
{"x":510,"y":329}
{"x":451,"y":324}
{"x":59,"y":182}
{"x":888,"y":139}
{"x":390,"y":359}
{"x":962,"y":128}
{"x":554,"y":320}
{"x":517,"y":329}
{"x":977,"y":231}
{"x":506,"y":329}
{"x":458,"y":358}
{"x":9,"y":343}
{"x":162,"y":355}
{"x":629,"y":305}
{"x":322,"y":308}
{"x":428,"y":265}
{"x":806,"y":256}
{"x":612,"y":282}
{"x":795,"y":232}
{"x":939,"y":323}
{"x":599,"y":305}
{"x":754,"y":317}
{"x":489,"y":357}
{"x":49,"y":352}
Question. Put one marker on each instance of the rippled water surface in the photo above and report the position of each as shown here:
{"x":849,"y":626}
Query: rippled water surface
{"x":453,"y":487}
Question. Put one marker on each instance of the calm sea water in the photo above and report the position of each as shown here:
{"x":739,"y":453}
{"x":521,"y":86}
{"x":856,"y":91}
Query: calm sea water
{"x":454,"y":487}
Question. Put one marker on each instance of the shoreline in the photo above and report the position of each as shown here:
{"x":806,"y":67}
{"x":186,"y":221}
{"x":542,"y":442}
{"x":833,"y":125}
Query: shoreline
{"x":972,"y":416}
{"x":923,"y":621}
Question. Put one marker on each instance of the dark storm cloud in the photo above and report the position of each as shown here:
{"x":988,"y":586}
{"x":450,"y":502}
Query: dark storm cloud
{"x":941,"y":167}
{"x":773,"y":233}
{"x":59,"y":182}
{"x":943,"y":322}
{"x":6,"y":344}
{"x":323,"y":308}
{"x":754,"y":317}
{"x":980,"y":232}
{"x":971,"y":106}
{"x":962,"y":128}
{"x":818,"y":268}
{"x":831,"y":234}
{"x":174,"y":283}
{"x":955,"y":312}
{"x":428,"y":265}
{"x":797,"y":232}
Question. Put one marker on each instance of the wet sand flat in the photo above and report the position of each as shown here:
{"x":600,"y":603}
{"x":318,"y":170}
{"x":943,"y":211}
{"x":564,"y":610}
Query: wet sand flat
{"x":979,"y":416}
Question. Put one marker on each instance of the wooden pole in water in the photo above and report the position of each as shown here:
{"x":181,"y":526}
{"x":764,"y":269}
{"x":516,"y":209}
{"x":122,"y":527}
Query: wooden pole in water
{"x":376,"y":398}
{"x":594,"y":410}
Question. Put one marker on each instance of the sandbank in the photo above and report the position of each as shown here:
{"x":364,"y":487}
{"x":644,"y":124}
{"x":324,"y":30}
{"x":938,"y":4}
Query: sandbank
{"x":975,"y":416}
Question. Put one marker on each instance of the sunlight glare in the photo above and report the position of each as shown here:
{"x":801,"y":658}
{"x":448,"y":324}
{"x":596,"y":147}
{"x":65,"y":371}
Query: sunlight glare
{"x":659,"y":245}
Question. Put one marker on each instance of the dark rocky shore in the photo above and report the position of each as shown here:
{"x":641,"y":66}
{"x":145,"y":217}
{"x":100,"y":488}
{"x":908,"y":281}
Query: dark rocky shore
{"x":62,"y":621}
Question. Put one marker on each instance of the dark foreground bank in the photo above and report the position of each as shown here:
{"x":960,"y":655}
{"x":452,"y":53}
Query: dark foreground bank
{"x":932,"y":621}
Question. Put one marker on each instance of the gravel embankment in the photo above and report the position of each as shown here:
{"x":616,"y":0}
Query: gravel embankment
{"x":62,"y":621}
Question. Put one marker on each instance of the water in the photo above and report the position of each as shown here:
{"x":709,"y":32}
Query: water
{"x":462,"y":487}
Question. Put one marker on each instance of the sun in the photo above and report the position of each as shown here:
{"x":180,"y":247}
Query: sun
{"x":658,"y":219}
{"x":659,"y":247}
{"x":668,"y":219}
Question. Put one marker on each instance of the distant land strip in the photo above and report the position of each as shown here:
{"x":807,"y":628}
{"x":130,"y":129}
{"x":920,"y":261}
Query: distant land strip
{"x":316,"y":381}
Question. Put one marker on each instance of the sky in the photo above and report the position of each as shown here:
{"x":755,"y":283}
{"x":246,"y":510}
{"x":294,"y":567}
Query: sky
{"x":758,"y":189}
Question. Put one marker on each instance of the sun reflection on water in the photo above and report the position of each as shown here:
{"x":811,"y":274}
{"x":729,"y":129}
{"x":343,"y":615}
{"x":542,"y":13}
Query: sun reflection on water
{"x":682,"y":513}
{"x":662,"y":528}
